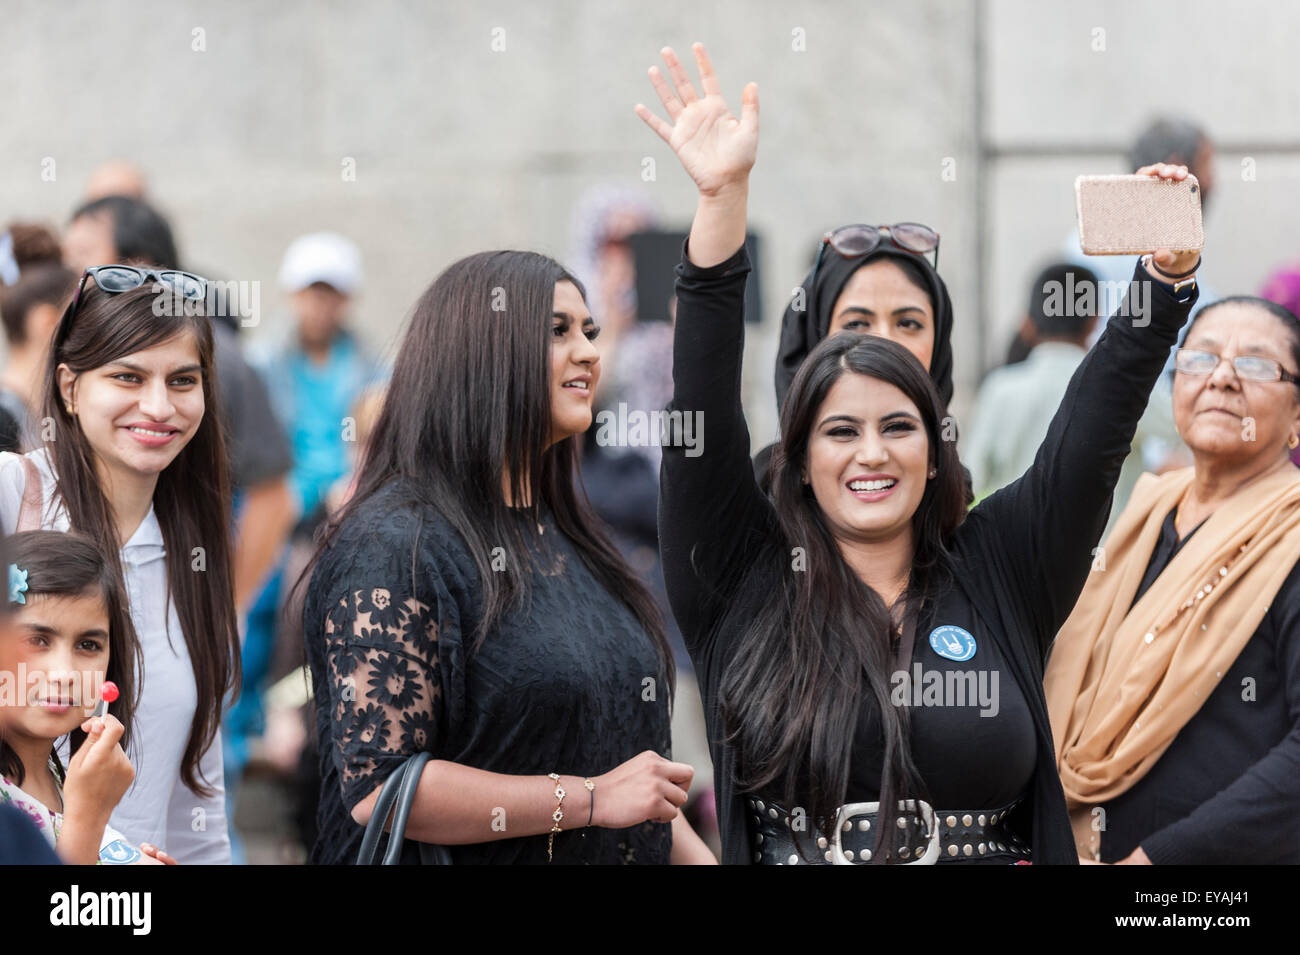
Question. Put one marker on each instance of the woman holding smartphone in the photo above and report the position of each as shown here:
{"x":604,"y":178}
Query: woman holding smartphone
{"x":837,"y":626}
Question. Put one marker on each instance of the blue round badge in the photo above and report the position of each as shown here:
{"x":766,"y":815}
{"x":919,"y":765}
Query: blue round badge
{"x":118,"y":852}
{"x":952,"y":643}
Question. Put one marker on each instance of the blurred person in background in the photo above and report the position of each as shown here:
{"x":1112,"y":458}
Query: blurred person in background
{"x":34,"y":289}
{"x":1283,"y":288}
{"x":622,"y":483}
{"x":318,"y":368}
{"x":1015,"y":404}
{"x":117,"y":177}
{"x":1156,"y":445}
{"x":1174,"y":686}
{"x":1168,"y":139}
{"x":315,"y":372}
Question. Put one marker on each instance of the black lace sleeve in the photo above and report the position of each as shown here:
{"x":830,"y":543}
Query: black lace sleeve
{"x":384,"y":682}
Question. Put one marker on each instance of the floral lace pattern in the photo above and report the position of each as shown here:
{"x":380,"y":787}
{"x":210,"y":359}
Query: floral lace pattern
{"x":567,"y":682}
{"x":383,"y":667}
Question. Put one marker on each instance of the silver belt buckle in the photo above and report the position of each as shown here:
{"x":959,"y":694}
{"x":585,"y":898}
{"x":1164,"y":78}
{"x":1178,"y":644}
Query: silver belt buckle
{"x":850,"y":810}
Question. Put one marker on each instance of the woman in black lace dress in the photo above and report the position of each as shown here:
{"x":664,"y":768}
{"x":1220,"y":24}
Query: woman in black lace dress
{"x":466,"y":603}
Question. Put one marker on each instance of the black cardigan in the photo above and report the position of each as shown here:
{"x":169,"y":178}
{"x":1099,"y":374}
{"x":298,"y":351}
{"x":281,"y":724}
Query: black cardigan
{"x":1020,"y":559}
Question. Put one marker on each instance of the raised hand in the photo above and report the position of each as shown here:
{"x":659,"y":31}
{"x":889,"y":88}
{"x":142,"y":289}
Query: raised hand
{"x":716,"y":149}
{"x":1170,"y":261}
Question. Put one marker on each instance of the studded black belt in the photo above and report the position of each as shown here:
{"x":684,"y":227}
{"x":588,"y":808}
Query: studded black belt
{"x":930,"y":836}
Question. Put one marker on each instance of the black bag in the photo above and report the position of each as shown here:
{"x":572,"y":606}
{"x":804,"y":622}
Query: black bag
{"x":396,"y":797}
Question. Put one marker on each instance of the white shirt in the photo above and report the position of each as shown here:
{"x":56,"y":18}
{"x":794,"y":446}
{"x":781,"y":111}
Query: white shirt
{"x":158,"y":808}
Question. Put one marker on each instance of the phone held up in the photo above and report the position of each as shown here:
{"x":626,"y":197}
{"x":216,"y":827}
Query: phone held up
{"x":1131,"y":215}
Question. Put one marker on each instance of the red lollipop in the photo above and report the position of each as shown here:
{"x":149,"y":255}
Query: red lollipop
{"x":107,"y":694}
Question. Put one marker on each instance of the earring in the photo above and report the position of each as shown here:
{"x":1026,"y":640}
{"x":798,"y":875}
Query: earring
{"x":933,"y":472}
{"x":1293,"y":441}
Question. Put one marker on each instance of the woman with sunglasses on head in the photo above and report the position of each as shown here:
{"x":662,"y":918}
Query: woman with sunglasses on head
{"x":869,"y":654}
{"x":466,"y":602}
{"x":136,"y":463}
{"x":875,"y":280}
{"x":1174,"y":687}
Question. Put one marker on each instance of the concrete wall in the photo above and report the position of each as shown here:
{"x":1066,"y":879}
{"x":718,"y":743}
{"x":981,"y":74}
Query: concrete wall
{"x":971,"y":116}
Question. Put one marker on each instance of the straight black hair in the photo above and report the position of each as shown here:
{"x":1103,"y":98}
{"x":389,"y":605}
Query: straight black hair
{"x":792,"y":695}
{"x":470,"y":403}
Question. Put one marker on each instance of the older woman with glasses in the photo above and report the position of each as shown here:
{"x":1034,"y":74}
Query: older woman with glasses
{"x":1174,"y":687}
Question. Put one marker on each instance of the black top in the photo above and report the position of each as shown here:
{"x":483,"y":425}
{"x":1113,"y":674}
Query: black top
{"x":569,"y":684}
{"x":1227,"y":790}
{"x":257,"y":445}
{"x":1020,"y":559}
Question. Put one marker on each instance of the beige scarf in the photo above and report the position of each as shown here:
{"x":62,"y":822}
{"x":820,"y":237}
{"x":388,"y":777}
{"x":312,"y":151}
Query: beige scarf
{"x":1120,"y":684}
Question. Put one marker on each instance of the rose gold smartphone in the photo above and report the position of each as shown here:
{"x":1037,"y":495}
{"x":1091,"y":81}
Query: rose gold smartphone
{"x":1130,"y":215}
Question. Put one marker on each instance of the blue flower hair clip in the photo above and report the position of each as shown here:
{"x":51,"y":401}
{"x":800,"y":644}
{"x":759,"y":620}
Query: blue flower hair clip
{"x":17,"y":585}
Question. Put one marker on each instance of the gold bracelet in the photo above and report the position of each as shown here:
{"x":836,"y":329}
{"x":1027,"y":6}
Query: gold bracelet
{"x":556,"y":816}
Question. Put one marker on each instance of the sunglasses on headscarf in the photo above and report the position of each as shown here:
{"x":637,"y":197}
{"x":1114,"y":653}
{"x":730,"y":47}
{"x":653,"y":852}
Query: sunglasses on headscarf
{"x":852,"y":241}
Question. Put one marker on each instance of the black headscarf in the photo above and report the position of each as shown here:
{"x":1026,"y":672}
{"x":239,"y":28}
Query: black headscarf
{"x":801,"y":331}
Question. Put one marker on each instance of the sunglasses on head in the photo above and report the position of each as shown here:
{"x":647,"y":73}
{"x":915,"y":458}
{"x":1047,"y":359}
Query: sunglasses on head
{"x":115,"y":279}
{"x":851,"y":241}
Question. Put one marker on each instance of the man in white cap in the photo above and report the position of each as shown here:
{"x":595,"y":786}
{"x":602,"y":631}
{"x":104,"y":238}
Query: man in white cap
{"x":318,"y":373}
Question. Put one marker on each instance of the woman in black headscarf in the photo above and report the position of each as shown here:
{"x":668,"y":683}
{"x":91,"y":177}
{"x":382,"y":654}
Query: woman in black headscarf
{"x":876,"y":280}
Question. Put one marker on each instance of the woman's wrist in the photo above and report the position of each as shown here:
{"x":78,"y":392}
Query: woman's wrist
{"x":1174,"y":276}
{"x":718,"y":229}
{"x":579,"y":803}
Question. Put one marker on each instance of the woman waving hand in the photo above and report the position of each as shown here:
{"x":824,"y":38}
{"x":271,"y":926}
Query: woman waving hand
{"x":870,"y":656}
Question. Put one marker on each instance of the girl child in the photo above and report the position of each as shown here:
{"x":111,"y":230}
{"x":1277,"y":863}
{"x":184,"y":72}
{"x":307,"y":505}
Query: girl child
{"x":68,"y":613}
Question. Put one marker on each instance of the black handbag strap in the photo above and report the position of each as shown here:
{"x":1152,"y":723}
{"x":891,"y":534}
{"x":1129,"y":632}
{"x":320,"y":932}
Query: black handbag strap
{"x":379,"y":816}
{"x":402,"y":809}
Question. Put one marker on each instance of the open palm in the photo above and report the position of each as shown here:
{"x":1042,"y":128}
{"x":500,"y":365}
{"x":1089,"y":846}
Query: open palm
{"x":716,"y":149}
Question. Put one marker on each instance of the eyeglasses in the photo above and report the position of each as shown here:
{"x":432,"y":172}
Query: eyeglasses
{"x":1191,"y":361}
{"x":115,"y":279}
{"x":852,"y":241}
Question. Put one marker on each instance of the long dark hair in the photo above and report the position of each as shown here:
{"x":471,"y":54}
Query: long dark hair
{"x":191,"y":500}
{"x":470,"y":401}
{"x":793,"y":693}
{"x":71,"y":565}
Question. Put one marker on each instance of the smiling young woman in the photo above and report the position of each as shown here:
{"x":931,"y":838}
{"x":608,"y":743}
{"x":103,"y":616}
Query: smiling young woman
{"x":801,"y":610}
{"x":133,"y":460}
